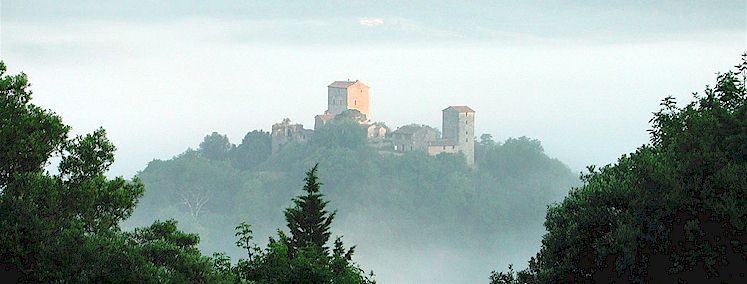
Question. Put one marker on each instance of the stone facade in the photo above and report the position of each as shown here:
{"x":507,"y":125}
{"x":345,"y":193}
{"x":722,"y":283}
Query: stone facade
{"x":413,"y":138}
{"x":376,"y":130}
{"x":322,"y":119}
{"x":459,"y":130}
{"x":285,"y":132}
{"x":344,"y":95}
{"x":442,"y":146}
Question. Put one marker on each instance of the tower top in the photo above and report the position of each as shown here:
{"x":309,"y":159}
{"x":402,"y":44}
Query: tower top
{"x":459,"y":109}
{"x":345,"y":84}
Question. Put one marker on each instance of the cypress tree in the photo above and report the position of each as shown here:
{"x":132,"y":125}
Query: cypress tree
{"x":308,"y":221}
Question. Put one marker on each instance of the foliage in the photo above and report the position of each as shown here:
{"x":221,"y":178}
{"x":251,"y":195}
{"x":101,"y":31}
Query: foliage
{"x":673,"y":211}
{"x":308,"y":221}
{"x":29,"y":134}
{"x":215,"y":147}
{"x":353,"y":115}
{"x":254,"y":149}
{"x":302,"y":257}
{"x":340,"y":132}
{"x":65,"y":227}
{"x":421,"y":201}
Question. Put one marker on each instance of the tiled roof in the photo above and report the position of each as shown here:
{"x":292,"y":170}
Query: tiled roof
{"x":460,"y":108}
{"x":326,"y":116}
{"x":342,"y":84}
{"x":408,"y":129}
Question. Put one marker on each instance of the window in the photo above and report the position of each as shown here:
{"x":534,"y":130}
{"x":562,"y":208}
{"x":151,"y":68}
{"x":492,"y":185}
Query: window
{"x":466,"y":139}
{"x":355,"y":102}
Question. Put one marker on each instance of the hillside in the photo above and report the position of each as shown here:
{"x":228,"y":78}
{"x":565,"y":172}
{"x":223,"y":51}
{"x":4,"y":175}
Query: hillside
{"x":410,"y":212}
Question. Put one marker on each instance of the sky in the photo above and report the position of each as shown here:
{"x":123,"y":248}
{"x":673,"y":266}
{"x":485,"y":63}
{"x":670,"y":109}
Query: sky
{"x":582,"y":77}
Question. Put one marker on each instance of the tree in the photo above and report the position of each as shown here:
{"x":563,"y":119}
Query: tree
{"x":215,"y":147}
{"x":254,"y":149}
{"x":302,"y":257}
{"x":308,"y":221}
{"x":672,"y":211}
{"x":65,"y":227}
{"x":353,"y":115}
{"x":340,"y":133}
{"x":29,"y":134}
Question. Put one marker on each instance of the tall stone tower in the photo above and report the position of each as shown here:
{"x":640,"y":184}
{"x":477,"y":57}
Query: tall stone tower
{"x":459,"y":129}
{"x":344,"y":95}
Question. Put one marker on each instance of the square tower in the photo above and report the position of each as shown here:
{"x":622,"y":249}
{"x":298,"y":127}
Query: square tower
{"x":344,"y":95}
{"x":459,"y":129}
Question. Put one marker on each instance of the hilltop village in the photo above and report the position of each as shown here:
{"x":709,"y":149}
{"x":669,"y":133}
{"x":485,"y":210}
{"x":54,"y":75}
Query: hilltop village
{"x":351,"y":98}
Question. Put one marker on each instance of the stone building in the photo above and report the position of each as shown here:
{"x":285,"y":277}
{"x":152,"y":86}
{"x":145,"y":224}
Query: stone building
{"x":350,"y":100}
{"x":285,"y":132}
{"x":458,"y":133}
{"x":344,"y":95}
{"x":322,"y":119}
{"x":413,"y":137}
{"x":376,"y":130}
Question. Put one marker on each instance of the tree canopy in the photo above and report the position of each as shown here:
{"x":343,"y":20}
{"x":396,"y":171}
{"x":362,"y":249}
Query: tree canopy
{"x":672,"y":211}
{"x":65,"y":227}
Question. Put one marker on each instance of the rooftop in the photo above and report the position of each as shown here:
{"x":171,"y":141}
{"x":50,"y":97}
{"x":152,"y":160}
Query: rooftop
{"x":341,"y":84}
{"x":459,"y":109}
{"x":411,"y":129}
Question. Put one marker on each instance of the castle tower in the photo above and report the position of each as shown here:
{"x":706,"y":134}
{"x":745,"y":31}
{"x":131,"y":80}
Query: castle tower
{"x":459,"y":129}
{"x":344,"y":95}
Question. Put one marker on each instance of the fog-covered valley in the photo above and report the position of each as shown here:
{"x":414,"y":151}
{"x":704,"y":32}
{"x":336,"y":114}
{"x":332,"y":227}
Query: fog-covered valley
{"x":413,"y":217}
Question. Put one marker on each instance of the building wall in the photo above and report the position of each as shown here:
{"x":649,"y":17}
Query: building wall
{"x":415,"y":141}
{"x":422,"y":137}
{"x":336,"y":100}
{"x":354,"y":96}
{"x":436,"y":149}
{"x":459,"y":128}
{"x":357,"y":98}
{"x":284,"y":133}
{"x":402,"y":142}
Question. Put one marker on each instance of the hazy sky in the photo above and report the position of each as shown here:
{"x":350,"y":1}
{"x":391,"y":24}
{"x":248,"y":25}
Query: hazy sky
{"x":159,"y":75}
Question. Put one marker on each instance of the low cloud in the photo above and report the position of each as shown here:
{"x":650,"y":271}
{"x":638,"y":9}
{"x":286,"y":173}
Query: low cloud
{"x":371,"y":22}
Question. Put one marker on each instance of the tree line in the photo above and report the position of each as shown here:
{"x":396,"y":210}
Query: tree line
{"x":64,"y":227}
{"x":672,"y":211}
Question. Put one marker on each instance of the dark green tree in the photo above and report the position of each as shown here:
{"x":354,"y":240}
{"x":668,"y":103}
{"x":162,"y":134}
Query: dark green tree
{"x":64,"y":228}
{"x":215,"y":147}
{"x":671,"y":212}
{"x":302,"y":257}
{"x":254,"y":149}
{"x":309,"y":221}
{"x":342,"y":132}
{"x":28,"y":133}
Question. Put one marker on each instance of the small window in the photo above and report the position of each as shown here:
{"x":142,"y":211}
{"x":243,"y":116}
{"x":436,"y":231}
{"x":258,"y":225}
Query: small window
{"x":444,"y":147}
{"x":466,"y":139}
{"x":355,"y":102}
